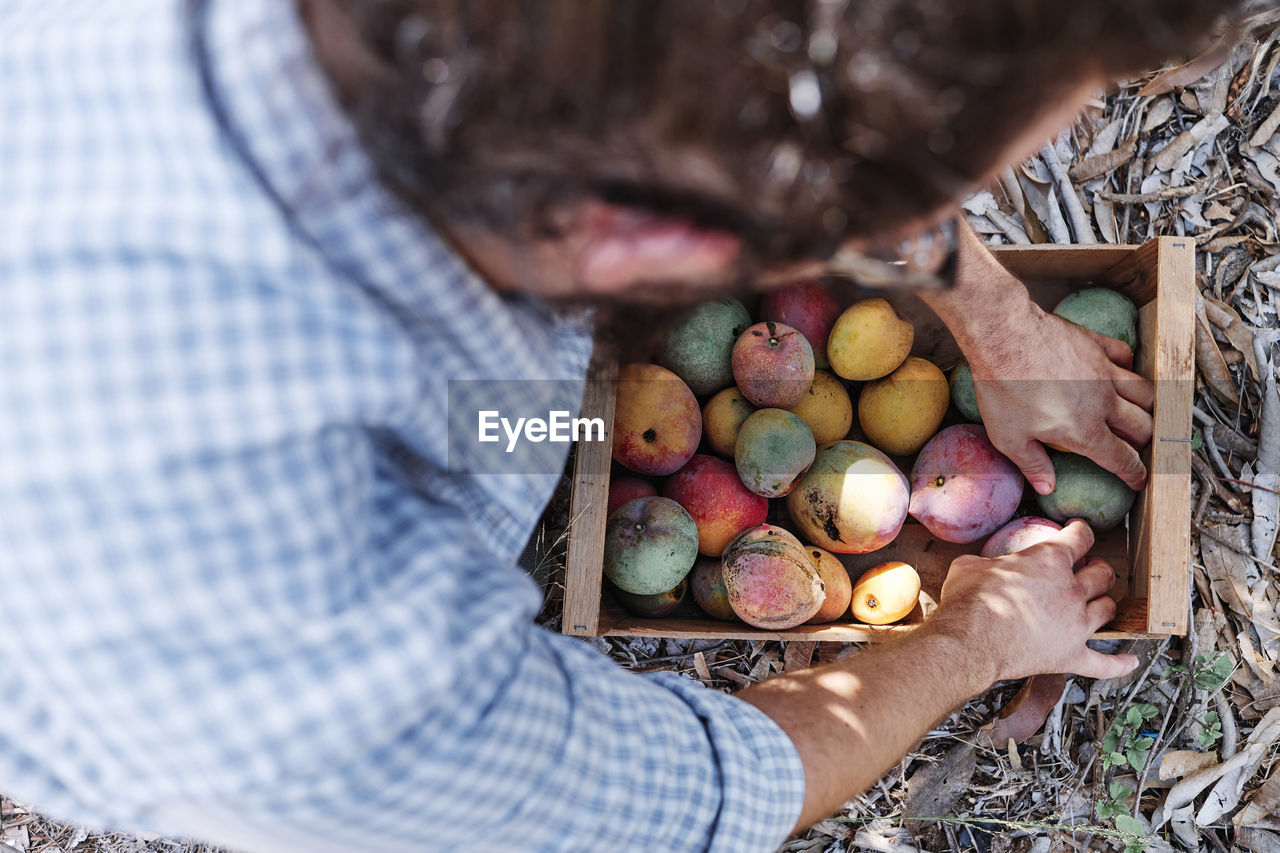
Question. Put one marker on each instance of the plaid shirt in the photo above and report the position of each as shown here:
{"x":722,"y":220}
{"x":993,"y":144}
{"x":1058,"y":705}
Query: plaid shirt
{"x":244,"y":597}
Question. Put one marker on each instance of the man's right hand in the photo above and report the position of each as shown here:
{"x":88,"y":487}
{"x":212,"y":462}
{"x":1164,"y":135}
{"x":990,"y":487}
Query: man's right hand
{"x":1031,"y":612}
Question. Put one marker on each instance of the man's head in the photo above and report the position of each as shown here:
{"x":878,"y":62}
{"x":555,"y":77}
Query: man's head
{"x":596,"y":145}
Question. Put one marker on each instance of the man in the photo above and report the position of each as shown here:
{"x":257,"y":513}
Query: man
{"x":246,"y":246}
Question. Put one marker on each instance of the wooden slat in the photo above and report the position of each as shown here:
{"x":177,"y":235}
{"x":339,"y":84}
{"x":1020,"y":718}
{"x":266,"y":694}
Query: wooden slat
{"x":1056,"y":262}
{"x":1161,"y":524}
{"x":1130,"y":622}
{"x":584,"y":559}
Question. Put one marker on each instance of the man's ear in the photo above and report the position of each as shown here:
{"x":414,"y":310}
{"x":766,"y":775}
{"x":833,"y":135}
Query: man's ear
{"x":624,"y":247}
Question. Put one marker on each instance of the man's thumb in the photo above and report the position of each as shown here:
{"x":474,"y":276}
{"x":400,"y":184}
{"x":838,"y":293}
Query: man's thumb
{"x":1034,"y":463}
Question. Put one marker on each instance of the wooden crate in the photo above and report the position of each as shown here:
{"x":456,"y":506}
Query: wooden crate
{"x":1151,"y":553}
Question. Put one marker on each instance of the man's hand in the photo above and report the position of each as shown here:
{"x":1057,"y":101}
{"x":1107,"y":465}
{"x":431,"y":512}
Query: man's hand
{"x":1049,"y":381}
{"x":1013,"y":616}
{"x":1040,"y":379}
{"x":1032,"y":611}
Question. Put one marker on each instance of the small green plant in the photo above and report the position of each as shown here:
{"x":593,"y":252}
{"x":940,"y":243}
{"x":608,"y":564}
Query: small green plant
{"x":1124,"y":742}
{"x":1208,"y":675}
{"x":1135,"y":834}
{"x":1114,"y":806}
{"x":1210,"y":730}
{"x":1123,"y":745}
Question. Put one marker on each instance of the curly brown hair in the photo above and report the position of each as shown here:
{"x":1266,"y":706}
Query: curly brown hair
{"x":796,"y":123}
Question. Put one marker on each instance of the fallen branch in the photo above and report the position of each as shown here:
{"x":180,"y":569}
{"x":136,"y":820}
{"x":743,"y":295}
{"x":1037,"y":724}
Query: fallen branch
{"x":1166,"y":194}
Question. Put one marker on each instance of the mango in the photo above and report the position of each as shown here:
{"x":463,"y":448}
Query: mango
{"x":1020,"y":534}
{"x":650,"y":544}
{"x":900,"y":412}
{"x":656,"y":421}
{"x":962,"y":393}
{"x":1104,"y":311}
{"x":722,"y":417}
{"x":652,"y":606}
{"x":808,"y":307}
{"x":852,"y":500}
{"x":699,"y":344}
{"x":868,"y":340}
{"x":774,"y":449}
{"x":770,"y":581}
{"x":623,"y":489}
{"x":962,"y":488}
{"x":772,"y":365}
{"x":826,"y":408}
{"x":885,"y":593}
{"x":706,"y":582}
{"x":836,"y":583}
{"x":1083,"y":489}
{"x":712,"y":493}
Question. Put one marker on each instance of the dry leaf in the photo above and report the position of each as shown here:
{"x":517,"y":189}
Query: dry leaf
{"x":1013,"y":192}
{"x":1213,"y":367}
{"x":882,"y":836}
{"x":1026,"y":711}
{"x":1229,"y":573}
{"x":1080,"y":226}
{"x":1226,"y":793}
{"x":1102,"y":164}
{"x":1161,"y":111}
{"x":1227,"y":321}
{"x":1188,"y":72}
{"x":1264,"y":801}
{"x":1180,"y":762}
{"x":1266,"y":130}
{"x":1192,"y":138}
{"x":934,"y":787}
{"x":1266,"y":502}
{"x":1257,"y":841}
{"x":798,"y":656}
{"x":1190,"y":787}
{"x":700,"y":667}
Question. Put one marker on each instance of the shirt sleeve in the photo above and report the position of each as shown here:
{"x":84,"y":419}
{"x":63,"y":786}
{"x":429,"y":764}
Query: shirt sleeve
{"x":301,"y":641}
{"x":572,"y":753}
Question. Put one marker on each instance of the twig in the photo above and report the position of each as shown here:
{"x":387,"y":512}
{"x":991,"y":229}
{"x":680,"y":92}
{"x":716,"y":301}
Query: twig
{"x":1205,"y":474}
{"x":1233,"y":549}
{"x":1166,"y":194}
{"x":1248,"y":485}
{"x":1227,"y":474}
{"x":1070,"y":200}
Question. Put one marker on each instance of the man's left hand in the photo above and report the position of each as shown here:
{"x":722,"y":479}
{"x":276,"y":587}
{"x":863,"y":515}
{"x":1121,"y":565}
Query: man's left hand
{"x":1053,"y":382}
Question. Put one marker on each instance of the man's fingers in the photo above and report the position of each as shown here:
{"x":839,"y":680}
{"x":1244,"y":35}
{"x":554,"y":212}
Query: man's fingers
{"x":1118,"y":352}
{"x":1100,"y":611}
{"x":1076,"y":539}
{"x":1095,"y":578}
{"x":1135,"y":389}
{"x":1131,"y":423}
{"x":1033,"y":462}
{"x":1097,"y":665}
{"x":1120,"y":459}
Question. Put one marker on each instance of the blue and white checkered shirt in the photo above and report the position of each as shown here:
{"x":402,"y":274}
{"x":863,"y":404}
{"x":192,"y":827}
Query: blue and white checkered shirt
{"x":244,"y":600}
